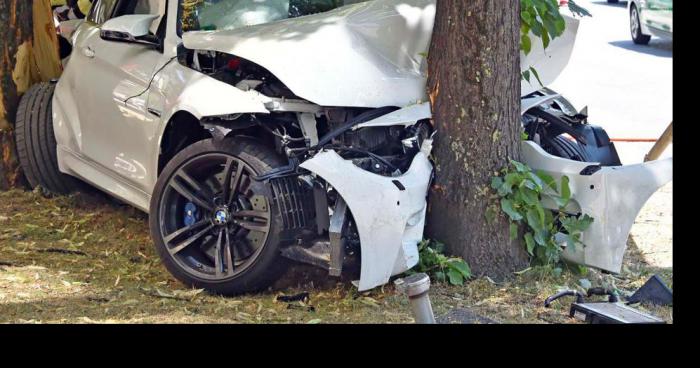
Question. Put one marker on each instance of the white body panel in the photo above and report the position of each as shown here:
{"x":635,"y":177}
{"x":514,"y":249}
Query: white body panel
{"x":389,"y":221}
{"x":551,"y":62}
{"x":613,"y":196}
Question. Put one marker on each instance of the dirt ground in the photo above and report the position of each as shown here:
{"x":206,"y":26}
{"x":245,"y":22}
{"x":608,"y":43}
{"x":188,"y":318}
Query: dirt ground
{"x":85,"y":259}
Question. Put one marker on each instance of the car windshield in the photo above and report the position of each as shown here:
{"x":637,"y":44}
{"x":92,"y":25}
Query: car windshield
{"x":231,"y":14}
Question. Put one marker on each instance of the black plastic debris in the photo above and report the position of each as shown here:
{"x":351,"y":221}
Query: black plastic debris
{"x":62,"y":251}
{"x":653,"y":291}
{"x":608,"y":312}
{"x":298,"y":301}
{"x":301,"y":297}
{"x":307,"y":308}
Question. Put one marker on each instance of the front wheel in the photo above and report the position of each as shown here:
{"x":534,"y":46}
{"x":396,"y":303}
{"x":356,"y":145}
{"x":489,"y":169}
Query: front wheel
{"x":214,"y":227}
{"x":636,"y":28}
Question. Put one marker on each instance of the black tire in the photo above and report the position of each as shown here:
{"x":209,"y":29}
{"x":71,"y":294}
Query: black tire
{"x":260,"y":272}
{"x":36,"y":143}
{"x":636,"y":28}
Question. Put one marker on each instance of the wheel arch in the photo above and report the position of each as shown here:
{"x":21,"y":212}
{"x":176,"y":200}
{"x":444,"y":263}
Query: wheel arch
{"x":183,"y":128}
{"x":644,"y":29}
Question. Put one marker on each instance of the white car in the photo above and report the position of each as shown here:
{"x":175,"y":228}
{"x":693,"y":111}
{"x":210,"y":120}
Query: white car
{"x":650,"y":17}
{"x":254,"y":132}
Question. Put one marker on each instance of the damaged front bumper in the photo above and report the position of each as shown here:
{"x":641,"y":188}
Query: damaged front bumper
{"x":612,"y":195}
{"x":389,"y":212}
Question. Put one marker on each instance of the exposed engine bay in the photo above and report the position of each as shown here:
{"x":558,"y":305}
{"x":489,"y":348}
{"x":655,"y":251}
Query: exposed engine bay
{"x":302,"y":128}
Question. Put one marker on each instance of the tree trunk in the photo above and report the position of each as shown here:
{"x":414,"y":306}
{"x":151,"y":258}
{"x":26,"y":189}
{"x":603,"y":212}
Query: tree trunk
{"x":474,"y":87}
{"x":29,"y":49}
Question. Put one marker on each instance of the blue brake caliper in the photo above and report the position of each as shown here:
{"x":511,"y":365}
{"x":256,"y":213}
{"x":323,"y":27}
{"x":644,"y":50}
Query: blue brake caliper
{"x":190,"y":214}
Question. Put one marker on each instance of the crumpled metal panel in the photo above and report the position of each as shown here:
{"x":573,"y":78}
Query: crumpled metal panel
{"x":369,"y":54}
{"x":389,"y":220}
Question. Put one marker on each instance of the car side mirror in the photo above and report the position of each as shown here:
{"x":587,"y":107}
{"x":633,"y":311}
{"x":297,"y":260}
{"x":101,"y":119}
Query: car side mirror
{"x":131,"y":28}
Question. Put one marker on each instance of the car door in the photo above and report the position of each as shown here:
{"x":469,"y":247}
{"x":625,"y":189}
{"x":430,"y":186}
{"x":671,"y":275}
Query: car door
{"x":113,"y":81}
{"x":658,"y":14}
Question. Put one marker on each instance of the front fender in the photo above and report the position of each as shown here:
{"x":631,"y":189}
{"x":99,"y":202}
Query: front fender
{"x":202,"y":95}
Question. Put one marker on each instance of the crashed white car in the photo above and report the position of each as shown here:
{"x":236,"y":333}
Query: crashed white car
{"x":254,"y":131}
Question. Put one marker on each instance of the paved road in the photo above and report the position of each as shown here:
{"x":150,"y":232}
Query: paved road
{"x":627,"y":87}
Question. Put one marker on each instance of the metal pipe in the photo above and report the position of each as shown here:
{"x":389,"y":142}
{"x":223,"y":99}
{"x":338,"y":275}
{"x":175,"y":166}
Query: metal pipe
{"x":416,"y":287}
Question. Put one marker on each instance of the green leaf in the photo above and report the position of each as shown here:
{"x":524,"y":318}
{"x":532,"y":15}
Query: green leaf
{"x":511,"y":180}
{"x":530,"y":243}
{"x":533,"y":219}
{"x":545,"y":40}
{"x":525,"y":45}
{"x":578,"y":10}
{"x":585,"y":222}
{"x":496,"y":182}
{"x":585,"y":283}
{"x":460,"y":266}
{"x":530,"y":197}
{"x":547,"y":179}
{"x":314,"y":321}
{"x":565,"y":190}
{"x":440,"y":276}
{"x":519,"y":166}
{"x":541,"y":238}
{"x":455,"y":277}
{"x":513,"y":231}
{"x":507,"y":207}
{"x":537,"y":76}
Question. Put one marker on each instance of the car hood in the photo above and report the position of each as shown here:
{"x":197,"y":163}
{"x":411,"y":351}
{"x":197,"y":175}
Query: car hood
{"x":368,"y":54}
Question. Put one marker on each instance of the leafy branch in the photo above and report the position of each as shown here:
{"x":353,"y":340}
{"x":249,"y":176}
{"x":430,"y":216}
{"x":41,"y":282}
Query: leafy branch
{"x":521,"y":193}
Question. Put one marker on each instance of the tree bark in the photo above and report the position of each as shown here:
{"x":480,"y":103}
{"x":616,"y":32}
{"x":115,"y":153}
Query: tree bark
{"x":474,"y":87}
{"x":29,"y":47}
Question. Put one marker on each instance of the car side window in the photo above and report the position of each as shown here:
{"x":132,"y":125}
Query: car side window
{"x":101,"y":11}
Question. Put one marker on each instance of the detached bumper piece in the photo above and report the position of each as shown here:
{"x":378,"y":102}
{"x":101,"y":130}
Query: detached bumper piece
{"x":612,"y":195}
{"x":389,"y":212}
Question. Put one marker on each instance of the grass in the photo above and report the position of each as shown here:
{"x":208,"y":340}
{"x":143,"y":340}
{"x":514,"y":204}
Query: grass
{"x":84,"y":259}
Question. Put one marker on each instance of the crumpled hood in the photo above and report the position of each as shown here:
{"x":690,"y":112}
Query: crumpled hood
{"x":369,"y":54}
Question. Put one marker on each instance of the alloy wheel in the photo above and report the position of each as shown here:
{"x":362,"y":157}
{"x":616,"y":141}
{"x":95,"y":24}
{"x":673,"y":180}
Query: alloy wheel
{"x":214,"y":219}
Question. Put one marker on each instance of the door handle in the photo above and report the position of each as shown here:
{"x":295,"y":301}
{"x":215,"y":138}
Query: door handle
{"x":89,"y":52}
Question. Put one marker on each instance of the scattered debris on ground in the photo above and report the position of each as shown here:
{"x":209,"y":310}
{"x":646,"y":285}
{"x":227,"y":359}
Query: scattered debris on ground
{"x":84,"y":259}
